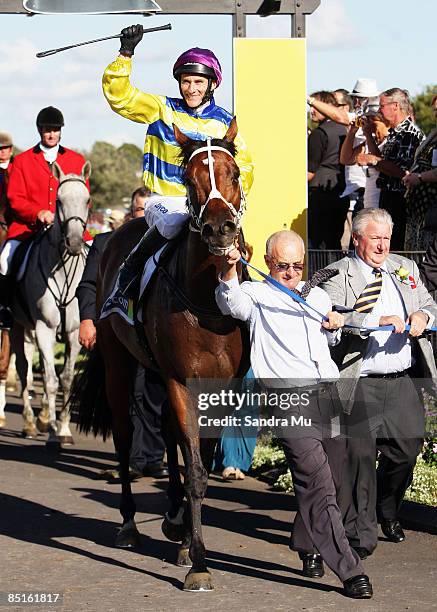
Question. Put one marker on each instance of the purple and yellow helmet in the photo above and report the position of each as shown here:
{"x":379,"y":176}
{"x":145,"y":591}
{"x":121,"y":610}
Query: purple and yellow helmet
{"x":198,"y":61}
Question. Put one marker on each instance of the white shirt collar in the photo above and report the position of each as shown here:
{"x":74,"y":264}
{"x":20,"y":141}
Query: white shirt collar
{"x":50,"y":154}
{"x":366,"y":269}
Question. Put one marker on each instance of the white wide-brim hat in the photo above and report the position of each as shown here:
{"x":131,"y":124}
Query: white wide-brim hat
{"x":365,"y":88}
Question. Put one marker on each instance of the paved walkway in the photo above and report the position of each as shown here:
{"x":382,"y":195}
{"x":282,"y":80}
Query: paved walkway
{"x":58,"y":524}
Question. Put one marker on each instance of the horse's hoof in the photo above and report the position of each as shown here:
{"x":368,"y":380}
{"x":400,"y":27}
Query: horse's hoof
{"x":66,"y":440}
{"x":128,"y":538}
{"x":30,"y":432}
{"x":198,"y":581}
{"x":43,"y":426}
{"x":183,"y":559}
{"x":174,"y":533}
{"x":2,"y":422}
{"x":53,"y":447}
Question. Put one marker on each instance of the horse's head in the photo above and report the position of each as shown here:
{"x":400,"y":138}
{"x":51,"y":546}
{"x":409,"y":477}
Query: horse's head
{"x":72,"y":206}
{"x":215,"y":196}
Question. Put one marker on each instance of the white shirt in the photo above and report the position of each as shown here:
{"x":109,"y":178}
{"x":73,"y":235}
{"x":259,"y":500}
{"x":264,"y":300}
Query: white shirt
{"x":355,"y":175}
{"x":386,"y":352}
{"x":50,"y":154}
{"x":287,"y":340}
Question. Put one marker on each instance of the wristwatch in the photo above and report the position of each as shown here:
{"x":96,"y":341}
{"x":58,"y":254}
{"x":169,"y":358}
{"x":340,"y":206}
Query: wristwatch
{"x":419,"y":176}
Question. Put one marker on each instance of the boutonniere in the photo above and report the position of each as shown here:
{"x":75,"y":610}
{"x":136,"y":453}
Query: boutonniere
{"x":405,"y":277}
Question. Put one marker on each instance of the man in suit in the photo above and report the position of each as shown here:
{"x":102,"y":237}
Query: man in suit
{"x":384,"y":411}
{"x":147,"y":394}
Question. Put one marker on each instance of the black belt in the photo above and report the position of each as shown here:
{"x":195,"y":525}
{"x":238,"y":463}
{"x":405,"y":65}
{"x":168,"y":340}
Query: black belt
{"x":321,"y":386}
{"x":390,"y":374}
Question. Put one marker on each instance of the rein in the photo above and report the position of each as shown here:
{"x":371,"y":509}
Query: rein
{"x":214,"y":193}
{"x":297,"y":298}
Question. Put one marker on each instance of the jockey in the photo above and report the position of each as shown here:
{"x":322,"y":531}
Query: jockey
{"x":31,"y":192}
{"x":198,"y":73}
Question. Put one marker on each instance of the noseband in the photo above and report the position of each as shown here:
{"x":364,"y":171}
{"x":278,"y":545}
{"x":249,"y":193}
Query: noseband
{"x":64,"y":222}
{"x":214,"y":193}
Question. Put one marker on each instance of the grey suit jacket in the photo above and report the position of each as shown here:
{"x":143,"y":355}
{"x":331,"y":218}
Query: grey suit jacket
{"x":344,"y":289}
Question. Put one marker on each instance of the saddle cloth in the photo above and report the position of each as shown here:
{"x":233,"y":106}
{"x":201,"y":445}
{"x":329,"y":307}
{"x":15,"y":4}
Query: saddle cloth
{"x":119,"y":304}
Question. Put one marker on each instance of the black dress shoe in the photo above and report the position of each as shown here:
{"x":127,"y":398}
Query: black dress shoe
{"x":362,"y":552}
{"x":358,"y":587}
{"x":156,"y":470}
{"x":393,"y":531}
{"x":312,"y":565}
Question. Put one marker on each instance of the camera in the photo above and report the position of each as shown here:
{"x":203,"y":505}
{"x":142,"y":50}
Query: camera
{"x":368,"y":109}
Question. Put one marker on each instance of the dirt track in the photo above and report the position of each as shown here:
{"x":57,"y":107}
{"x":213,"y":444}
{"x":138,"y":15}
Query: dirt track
{"x":58,"y":524}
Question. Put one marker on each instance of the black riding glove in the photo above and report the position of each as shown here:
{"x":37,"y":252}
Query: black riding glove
{"x":129,"y":39}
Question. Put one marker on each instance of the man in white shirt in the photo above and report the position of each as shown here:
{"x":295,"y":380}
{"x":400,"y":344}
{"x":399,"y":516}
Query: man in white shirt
{"x":290,"y":341}
{"x":376,"y":369}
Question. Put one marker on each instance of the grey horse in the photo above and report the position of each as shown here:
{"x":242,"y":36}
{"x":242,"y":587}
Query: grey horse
{"x":47,"y":290}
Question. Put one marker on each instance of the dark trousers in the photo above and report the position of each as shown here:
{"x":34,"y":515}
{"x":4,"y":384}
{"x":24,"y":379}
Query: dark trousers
{"x":318,"y":525}
{"x":394,"y":203}
{"x":387,"y":418}
{"x":147,"y":398}
{"x":326,"y":216}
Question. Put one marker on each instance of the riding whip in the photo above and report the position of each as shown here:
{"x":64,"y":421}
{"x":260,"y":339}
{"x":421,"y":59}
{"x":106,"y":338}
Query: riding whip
{"x":88,"y":42}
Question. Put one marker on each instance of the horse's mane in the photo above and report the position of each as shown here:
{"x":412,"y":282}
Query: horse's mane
{"x":190,"y":146}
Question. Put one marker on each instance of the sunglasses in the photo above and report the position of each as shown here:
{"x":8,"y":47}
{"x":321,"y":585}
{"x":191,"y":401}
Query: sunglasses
{"x":282,"y":266}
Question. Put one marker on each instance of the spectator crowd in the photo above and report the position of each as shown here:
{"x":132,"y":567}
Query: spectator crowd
{"x":366,"y":151}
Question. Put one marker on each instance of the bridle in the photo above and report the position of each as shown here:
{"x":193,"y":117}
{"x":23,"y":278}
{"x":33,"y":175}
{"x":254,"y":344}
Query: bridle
{"x":65,"y":221}
{"x":196,"y":224}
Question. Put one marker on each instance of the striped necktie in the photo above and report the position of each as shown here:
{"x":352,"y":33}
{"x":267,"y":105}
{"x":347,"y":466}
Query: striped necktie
{"x":370,"y":294}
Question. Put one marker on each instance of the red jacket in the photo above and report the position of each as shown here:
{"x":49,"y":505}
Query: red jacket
{"x":32,"y":187}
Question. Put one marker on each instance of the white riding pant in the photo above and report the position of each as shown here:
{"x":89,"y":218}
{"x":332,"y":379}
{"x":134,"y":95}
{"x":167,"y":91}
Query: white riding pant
{"x":8,"y":250}
{"x":167,"y":213}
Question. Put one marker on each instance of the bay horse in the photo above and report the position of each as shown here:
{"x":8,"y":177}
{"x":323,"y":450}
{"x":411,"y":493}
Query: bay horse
{"x":47,"y":291}
{"x":186,"y":334}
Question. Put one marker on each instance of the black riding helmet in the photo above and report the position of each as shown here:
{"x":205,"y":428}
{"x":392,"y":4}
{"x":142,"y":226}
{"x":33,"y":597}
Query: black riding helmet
{"x":50,"y":116}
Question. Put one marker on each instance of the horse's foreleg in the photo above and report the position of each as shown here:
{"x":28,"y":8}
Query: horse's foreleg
{"x":196,"y":480}
{"x":46,"y":338}
{"x":119,"y":369}
{"x":29,"y":428}
{"x":72,"y":349}
{"x":173,"y":525}
{"x":5,"y":353}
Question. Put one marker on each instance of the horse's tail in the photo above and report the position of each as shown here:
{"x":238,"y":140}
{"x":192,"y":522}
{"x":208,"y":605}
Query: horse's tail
{"x":88,"y":400}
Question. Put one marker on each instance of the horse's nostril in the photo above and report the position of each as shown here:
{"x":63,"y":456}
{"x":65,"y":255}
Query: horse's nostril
{"x":228,"y":227}
{"x":207,"y":230}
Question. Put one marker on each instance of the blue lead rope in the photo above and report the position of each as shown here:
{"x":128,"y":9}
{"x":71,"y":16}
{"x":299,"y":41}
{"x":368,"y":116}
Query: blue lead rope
{"x":298,"y":298}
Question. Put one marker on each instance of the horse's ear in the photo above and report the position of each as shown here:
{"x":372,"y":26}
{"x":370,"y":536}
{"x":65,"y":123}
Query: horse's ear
{"x":180,"y":136}
{"x":232,"y":130}
{"x":57,"y":172}
{"x":86,"y":170}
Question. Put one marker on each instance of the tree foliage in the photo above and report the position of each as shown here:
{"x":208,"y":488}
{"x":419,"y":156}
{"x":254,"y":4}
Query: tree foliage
{"x":422,"y":105}
{"x":115,"y":173}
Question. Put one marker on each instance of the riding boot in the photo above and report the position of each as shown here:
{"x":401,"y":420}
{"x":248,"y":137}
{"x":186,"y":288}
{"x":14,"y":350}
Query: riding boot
{"x":6,"y":295}
{"x":131,"y":269}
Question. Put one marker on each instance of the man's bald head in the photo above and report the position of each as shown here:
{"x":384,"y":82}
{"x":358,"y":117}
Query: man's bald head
{"x":284,"y":238}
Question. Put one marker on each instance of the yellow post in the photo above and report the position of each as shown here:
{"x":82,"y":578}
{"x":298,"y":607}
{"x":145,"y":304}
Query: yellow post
{"x":270,"y":105}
